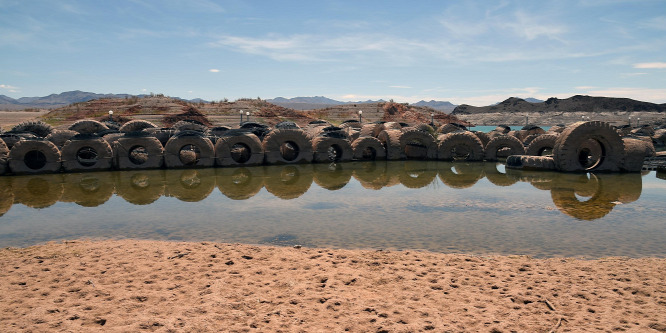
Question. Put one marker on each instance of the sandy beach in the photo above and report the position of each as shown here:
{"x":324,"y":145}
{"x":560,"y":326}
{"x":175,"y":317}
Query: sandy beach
{"x":139,"y":285}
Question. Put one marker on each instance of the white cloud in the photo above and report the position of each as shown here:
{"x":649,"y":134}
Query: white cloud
{"x":651,"y":65}
{"x":9,"y":88}
{"x":214,"y":70}
{"x":532,"y":27}
{"x":640,"y":94}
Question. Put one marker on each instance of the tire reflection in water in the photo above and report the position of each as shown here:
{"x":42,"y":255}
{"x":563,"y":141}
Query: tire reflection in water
{"x":288,"y":181}
{"x":190,"y":185}
{"x":89,"y":189}
{"x":240,"y":183}
{"x":37,"y":191}
{"x":141,"y":187}
{"x":460,"y":175}
{"x":332,"y":176}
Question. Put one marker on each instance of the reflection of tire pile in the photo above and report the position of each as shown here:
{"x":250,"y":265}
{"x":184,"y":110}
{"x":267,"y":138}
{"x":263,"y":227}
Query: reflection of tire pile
{"x":190,"y":185}
{"x":6,"y":195}
{"x":460,"y":175}
{"x":332,"y":176}
{"x":496,"y":177}
{"x":416,"y":174}
{"x":35,"y":147}
{"x":37,"y":191}
{"x":88,"y":189}
{"x":372,"y":175}
{"x":598,"y":197}
{"x":240,"y":183}
{"x":140,"y":187}
{"x":288,"y":181}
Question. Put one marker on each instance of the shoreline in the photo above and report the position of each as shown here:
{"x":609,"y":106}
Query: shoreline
{"x":142,"y":285}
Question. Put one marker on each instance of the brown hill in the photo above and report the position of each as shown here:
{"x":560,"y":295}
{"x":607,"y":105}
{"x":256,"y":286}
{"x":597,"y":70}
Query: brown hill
{"x":576,"y":103}
{"x":160,"y":109}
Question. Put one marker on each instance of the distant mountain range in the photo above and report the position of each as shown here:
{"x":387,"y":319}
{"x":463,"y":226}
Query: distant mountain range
{"x":320,"y":102}
{"x":578,"y":103}
{"x":58,"y":100}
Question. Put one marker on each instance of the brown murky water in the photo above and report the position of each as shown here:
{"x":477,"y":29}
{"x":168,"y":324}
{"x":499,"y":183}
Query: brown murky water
{"x":437,"y":206}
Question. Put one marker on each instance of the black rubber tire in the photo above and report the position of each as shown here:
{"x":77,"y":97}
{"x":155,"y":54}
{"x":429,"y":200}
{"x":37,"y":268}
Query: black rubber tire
{"x":37,"y":191}
{"x":467,"y":142}
{"x":391,"y":125}
{"x":240,"y":183}
{"x":659,"y":138}
{"x":465,"y":175}
{"x":254,"y":154}
{"x":138,"y":153}
{"x":88,"y":126}
{"x":352,"y":133}
{"x":189,"y":125}
{"x":424,"y":128}
{"x":141,"y":187}
{"x":173,"y":148}
{"x":70,"y":155}
{"x":274,"y":141}
{"x":529,"y":162}
{"x":45,"y":150}
{"x":11,"y":138}
{"x":391,"y":141}
{"x":569,"y":152}
{"x":504,"y":141}
{"x":332,"y":176}
{"x":418,"y":145}
{"x":351,"y":123}
{"x":136,"y":125}
{"x":286,"y":125}
{"x":482,"y":136}
{"x":557,"y":129}
{"x":368,"y":148}
{"x":541,"y":143}
{"x":502,"y":129}
{"x":59,"y":137}
{"x":371,"y":175}
{"x":448,"y":128}
{"x":322,"y":146}
{"x":4,"y":154}
{"x":38,"y":128}
{"x":635,"y":151}
{"x":288,"y":181}
{"x":371,"y":130}
{"x":89,"y":189}
{"x":528,"y":139}
{"x":190,"y":185}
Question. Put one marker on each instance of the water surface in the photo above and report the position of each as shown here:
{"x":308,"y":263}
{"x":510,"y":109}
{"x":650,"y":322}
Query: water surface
{"x":438,"y":206}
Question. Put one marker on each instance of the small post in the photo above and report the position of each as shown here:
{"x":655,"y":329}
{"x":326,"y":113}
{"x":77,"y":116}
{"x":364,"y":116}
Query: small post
{"x":110,"y":115}
{"x":241,"y":117}
{"x":248,"y":116}
{"x":582,"y":118}
{"x":527,"y":120}
{"x":629,"y":121}
{"x":360,"y":116}
{"x":638,"y":122}
{"x":432,"y":119}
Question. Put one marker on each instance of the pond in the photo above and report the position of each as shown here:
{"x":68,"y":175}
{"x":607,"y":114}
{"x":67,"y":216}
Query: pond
{"x":479,"y":208}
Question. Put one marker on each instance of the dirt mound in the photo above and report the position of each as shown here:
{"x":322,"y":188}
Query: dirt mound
{"x":189,"y":113}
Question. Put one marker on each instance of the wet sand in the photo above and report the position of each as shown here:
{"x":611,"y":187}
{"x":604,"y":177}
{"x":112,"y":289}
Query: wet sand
{"x":137,"y":285}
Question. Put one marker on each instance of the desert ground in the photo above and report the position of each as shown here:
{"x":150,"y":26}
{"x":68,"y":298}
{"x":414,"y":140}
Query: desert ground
{"x":140,"y":285}
{"x":10,"y":118}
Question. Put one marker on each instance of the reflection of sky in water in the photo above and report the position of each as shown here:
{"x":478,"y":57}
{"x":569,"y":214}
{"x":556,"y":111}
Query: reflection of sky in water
{"x":436,"y":206}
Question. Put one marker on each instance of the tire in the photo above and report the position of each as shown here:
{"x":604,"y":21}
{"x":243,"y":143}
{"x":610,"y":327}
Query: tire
{"x":540,"y":144}
{"x":38,"y":128}
{"x":239,"y":150}
{"x":189,"y":149}
{"x":351,"y":123}
{"x":34,"y":156}
{"x":465,"y":175}
{"x":240,"y":183}
{"x":328,"y":150}
{"x":189,"y":125}
{"x":162,"y":134}
{"x":528,"y":162}
{"x":424,"y":128}
{"x":88,"y":189}
{"x":448,"y":128}
{"x":557,"y":129}
{"x":332,"y":176}
{"x":288,"y":181}
{"x":141,"y":187}
{"x":416,"y":144}
{"x":4,"y":154}
{"x":659,"y":138}
{"x":482,"y":136}
{"x":59,"y":137}
{"x":391,"y":125}
{"x":287,"y":146}
{"x":371,"y":130}
{"x":572,"y":148}
{"x":88,"y":126}
{"x":502,"y":129}
{"x":86,"y":155}
{"x":529,"y":138}
{"x":136,"y":125}
{"x":635,"y":151}
{"x":352,"y":133}
{"x":11,"y":138}
{"x":391,"y":141}
{"x":37,"y":191}
{"x":460,"y":145}
{"x":133,"y":153}
{"x":190,"y":185}
{"x":286,"y":125}
{"x":514,"y":145}
{"x":368,"y":148}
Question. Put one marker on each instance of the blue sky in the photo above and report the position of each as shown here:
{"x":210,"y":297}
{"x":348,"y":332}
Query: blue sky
{"x":473,"y":52}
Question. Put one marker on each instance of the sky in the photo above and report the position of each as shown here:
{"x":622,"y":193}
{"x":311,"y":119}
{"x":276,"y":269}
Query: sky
{"x":475,"y":52}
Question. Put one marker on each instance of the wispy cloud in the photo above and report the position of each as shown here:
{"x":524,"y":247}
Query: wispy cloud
{"x":400,"y":87}
{"x":214,"y":70}
{"x":9,"y":88}
{"x":651,"y":65}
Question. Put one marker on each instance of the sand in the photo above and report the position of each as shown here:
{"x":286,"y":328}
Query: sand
{"x":138,"y":285}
